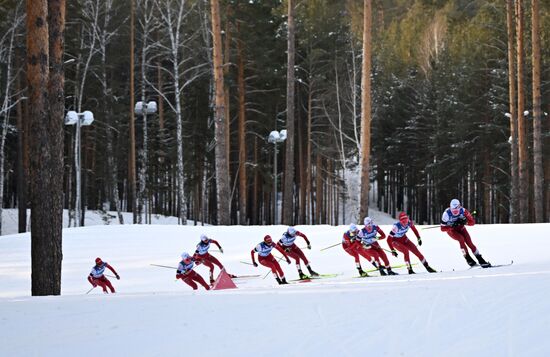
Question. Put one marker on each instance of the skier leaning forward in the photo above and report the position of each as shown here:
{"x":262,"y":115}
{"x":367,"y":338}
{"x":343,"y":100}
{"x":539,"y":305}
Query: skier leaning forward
{"x":351,"y":243}
{"x":268,"y":260}
{"x":398,"y":240}
{"x":187,"y":275}
{"x":369,"y":241}
{"x":292,"y":250}
{"x":453,"y":221}
{"x":97,"y":277}
{"x":202,"y":256}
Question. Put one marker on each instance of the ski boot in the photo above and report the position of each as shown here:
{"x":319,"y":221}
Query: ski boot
{"x":362,"y":273}
{"x":411,"y":271}
{"x":429,"y":268}
{"x":382,"y":271}
{"x":469,"y":260}
{"x":312,"y":272}
{"x":212,"y":280}
{"x":482,"y":262}
{"x":302,"y":275}
{"x":283,"y":281}
{"x":278,"y":280}
{"x":391,"y":272}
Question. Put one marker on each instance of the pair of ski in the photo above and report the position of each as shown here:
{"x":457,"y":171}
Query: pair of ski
{"x":309,"y":278}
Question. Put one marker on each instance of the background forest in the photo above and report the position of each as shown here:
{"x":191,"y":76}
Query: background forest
{"x":440,"y":98}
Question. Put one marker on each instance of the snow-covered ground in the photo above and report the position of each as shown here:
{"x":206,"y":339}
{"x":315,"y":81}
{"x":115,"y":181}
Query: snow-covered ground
{"x":502,"y":311}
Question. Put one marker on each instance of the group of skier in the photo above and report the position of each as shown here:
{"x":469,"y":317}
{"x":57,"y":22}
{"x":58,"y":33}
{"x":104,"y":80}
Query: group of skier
{"x":357,"y":242}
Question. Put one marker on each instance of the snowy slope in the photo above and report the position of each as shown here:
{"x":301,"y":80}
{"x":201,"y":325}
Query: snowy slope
{"x":499,"y":312}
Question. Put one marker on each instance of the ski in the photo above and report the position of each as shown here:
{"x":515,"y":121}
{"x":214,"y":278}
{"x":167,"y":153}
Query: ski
{"x":489,"y":265}
{"x":310,"y":278}
{"x":246,"y":276}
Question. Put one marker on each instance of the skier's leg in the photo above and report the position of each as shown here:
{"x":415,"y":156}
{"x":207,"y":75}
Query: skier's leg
{"x":214,"y":260}
{"x":468,"y":241}
{"x":109,"y":285}
{"x":460,"y":239}
{"x":199,"y":279}
{"x":299,"y":253}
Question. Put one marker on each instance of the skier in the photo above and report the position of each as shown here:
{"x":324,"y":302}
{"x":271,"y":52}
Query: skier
{"x":351,"y":244}
{"x":368,"y":239}
{"x":185,"y":272}
{"x":202,"y":256}
{"x":268,"y":260}
{"x":292,"y":250}
{"x":398,"y":240}
{"x":97,"y":277}
{"x":453,"y":221}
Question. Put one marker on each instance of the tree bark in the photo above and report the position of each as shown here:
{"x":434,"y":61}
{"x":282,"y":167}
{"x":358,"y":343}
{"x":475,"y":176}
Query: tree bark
{"x":288,"y":198}
{"x":365,"y":109}
{"x":45,"y":50}
{"x":538,"y":171}
{"x":514,"y":185}
{"x":132,"y":129}
{"x":222,"y":166}
{"x":242,"y":131}
{"x":522,"y":127}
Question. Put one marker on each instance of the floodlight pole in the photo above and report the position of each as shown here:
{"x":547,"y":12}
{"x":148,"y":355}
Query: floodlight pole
{"x":78,"y":119}
{"x":143,"y":108}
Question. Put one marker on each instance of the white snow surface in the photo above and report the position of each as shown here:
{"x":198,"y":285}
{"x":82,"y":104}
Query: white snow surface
{"x":502,"y":311}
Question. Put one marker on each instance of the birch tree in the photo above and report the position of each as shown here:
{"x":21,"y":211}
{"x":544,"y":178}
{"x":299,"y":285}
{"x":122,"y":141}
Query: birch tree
{"x":7,"y":52}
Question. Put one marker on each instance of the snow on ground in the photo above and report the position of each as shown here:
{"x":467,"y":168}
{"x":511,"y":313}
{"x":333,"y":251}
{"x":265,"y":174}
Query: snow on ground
{"x":457,"y":312}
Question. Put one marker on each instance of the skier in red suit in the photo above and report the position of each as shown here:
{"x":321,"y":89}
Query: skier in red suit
{"x":369,"y":241}
{"x":351,"y":244}
{"x":97,"y":277}
{"x":453,"y":221}
{"x":287,"y":242}
{"x":398,"y":240}
{"x":186,"y":273}
{"x":265,"y":258}
{"x":202,"y":256}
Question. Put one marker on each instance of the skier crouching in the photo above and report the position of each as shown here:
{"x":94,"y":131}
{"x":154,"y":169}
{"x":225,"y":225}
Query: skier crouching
{"x":187,"y":275}
{"x":268,"y":260}
{"x":97,"y":277}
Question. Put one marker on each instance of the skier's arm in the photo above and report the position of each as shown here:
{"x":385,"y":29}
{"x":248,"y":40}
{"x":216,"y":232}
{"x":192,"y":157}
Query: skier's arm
{"x":413,"y":227}
{"x":91,"y":280}
{"x":252,"y":256}
{"x":113,"y":270}
{"x":381,"y":232}
{"x":469,"y":218}
{"x":303,"y":236}
{"x":216,"y":243}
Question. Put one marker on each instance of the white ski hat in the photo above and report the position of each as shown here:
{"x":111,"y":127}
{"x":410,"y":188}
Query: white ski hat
{"x":455,"y":203}
{"x":353,"y":227}
{"x":185,"y":256}
{"x":291,"y":231}
{"x":204,"y":237}
{"x":367,"y":221}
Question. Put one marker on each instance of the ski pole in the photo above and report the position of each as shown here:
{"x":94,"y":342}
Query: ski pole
{"x":87,"y":292}
{"x":334,"y":245}
{"x":278,"y":260}
{"x":246,"y":262}
{"x":432,"y":227}
{"x":163,"y":266}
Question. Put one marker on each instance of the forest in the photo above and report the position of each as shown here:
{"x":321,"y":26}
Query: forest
{"x":454,"y":110}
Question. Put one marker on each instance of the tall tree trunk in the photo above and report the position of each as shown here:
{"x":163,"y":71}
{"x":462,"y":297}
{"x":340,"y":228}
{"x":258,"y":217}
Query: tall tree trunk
{"x":514,"y":185}
{"x":365,"y":109}
{"x":132,"y":129}
{"x":522,"y":127}
{"x":227,"y":62}
{"x":222,"y":166}
{"x":309,"y":194}
{"x":288,"y":199}
{"x":242,"y":131}
{"x":45,"y":49}
{"x":537,"y":117}
{"x":21,"y":149}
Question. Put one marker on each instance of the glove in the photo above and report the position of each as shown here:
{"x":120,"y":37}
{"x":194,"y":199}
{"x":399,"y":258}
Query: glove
{"x":288,"y":261}
{"x":255,"y":264}
{"x":309,"y":246}
{"x":117,"y":277}
{"x":419,"y":241}
{"x":367,"y":246}
{"x":394,"y":253}
{"x":94,"y":285}
{"x":287,"y":249}
{"x":221,"y":250}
